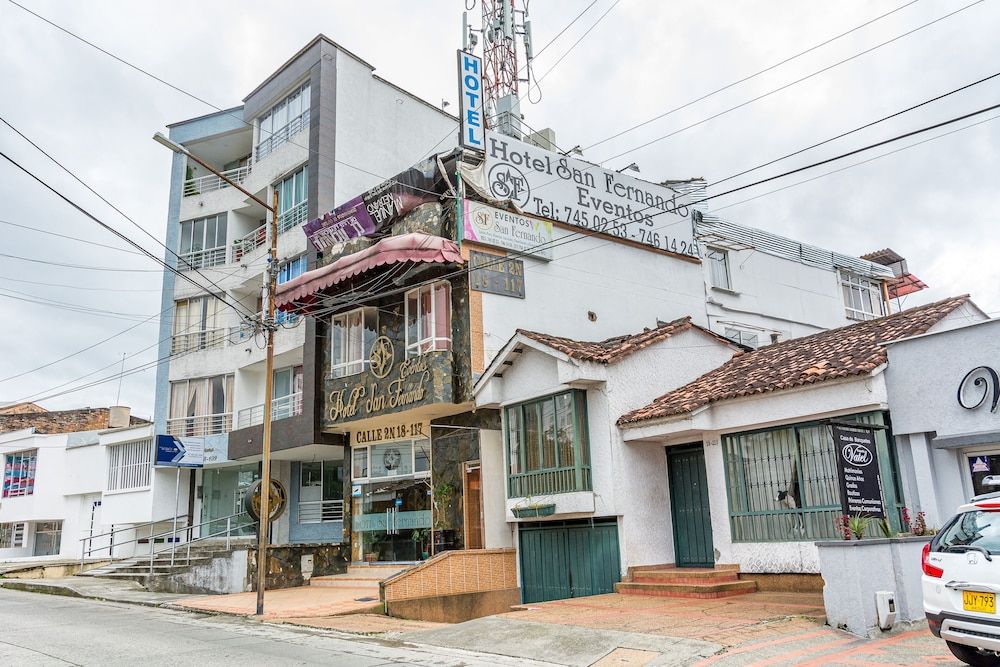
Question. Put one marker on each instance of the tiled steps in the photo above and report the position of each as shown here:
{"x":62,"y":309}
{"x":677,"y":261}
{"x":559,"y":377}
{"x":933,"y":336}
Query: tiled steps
{"x":358,"y":576}
{"x":670,"y":581}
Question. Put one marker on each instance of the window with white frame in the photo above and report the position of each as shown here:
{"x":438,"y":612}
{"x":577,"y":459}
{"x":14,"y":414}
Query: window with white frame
{"x":428,"y":318}
{"x":283,"y":121}
{"x":862,"y":296}
{"x":19,"y":473}
{"x":203,"y":406}
{"x":743,"y":337}
{"x":12,"y":535}
{"x":203,"y":242}
{"x":293,"y":200}
{"x":130,"y":465}
{"x":718,"y":267}
{"x":198,"y":324}
{"x":391,"y":459}
{"x":291,"y":269}
{"x":351,"y":336}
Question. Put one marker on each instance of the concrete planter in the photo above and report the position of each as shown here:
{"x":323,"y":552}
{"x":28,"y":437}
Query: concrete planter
{"x":534,"y":511}
{"x":853,"y":571}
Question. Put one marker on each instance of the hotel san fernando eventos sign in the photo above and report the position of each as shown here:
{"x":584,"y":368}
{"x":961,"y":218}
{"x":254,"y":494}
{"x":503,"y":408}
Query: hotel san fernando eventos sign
{"x":578,"y":193}
{"x":386,"y":386}
{"x":495,"y":227}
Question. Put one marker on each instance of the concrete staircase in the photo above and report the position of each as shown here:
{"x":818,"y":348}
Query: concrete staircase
{"x":671,"y":581}
{"x":360,"y":576}
{"x":138,"y":569}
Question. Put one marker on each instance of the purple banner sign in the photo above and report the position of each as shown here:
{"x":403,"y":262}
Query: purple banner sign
{"x":347,"y":221}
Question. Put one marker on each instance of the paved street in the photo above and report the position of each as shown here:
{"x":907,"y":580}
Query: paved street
{"x":53,"y":630}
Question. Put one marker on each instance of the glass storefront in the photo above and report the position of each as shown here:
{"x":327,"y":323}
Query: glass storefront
{"x":222,"y":496}
{"x":391,"y":501}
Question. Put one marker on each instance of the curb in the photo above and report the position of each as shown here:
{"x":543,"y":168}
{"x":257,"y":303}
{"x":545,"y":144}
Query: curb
{"x":67,"y":591}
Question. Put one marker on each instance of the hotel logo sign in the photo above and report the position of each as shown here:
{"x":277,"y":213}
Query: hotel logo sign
{"x":979,"y":385}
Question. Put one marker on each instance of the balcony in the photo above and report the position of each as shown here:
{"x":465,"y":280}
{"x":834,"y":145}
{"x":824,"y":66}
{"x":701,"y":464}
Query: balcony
{"x":321,"y":511}
{"x":281,"y":408}
{"x":554,"y":480}
{"x":293,"y":217}
{"x":202,"y":259}
{"x":249,"y":243}
{"x":271,"y":142}
{"x":198,"y":340}
{"x":211,"y":182}
{"x":200,"y":425}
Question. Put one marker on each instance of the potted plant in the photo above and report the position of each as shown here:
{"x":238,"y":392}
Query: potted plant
{"x":419,"y":537}
{"x":530,"y":508}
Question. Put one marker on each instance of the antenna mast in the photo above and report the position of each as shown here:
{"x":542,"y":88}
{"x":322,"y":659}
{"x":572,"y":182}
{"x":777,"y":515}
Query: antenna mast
{"x":502,"y":28}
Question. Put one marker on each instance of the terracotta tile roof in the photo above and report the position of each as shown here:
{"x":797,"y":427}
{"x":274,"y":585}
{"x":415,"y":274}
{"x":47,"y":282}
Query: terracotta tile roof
{"x":838,"y":353}
{"x":613,"y":349}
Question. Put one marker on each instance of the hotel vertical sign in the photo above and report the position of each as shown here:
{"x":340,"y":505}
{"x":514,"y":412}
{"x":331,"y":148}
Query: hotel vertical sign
{"x":471,"y":128}
{"x":858,"y":471}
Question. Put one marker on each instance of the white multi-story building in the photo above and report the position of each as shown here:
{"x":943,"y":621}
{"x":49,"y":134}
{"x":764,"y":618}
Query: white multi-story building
{"x":323,"y":127}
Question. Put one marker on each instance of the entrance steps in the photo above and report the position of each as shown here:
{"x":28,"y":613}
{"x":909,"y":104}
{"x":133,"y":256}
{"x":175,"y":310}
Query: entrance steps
{"x":359,"y":576}
{"x":686,"y":582}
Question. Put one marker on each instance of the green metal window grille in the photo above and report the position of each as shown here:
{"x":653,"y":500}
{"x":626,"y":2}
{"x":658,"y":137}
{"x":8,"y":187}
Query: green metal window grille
{"x":548,"y":449}
{"x":796,"y":463}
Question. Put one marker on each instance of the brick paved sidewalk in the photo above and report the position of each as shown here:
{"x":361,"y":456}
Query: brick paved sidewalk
{"x":301,"y":602}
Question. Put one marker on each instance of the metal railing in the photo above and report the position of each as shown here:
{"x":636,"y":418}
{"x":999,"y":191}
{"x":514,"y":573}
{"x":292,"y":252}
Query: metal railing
{"x":211,"y":182}
{"x":556,"y":480}
{"x":198,"y":340}
{"x":202,"y":259}
{"x":293,"y":217}
{"x":249,"y":243}
{"x":173,"y":536}
{"x":321,"y":511}
{"x":274,"y":139}
{"x":281,"y":408}
{"x":200,"y":424}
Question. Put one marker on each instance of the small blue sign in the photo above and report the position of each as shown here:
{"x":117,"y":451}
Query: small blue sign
{"x":399,"y":502}
{"x":175,"y":452}
{"x":472,"y":129}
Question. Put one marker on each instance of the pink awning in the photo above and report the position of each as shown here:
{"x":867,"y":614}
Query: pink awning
{"x":299,"y":295}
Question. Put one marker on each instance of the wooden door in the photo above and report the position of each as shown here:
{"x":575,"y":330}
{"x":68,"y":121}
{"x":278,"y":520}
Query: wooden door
{"x":473,"y":495}
{"x":689,"y":507}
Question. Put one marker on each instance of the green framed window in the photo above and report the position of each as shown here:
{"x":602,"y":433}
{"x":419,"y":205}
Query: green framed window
{"x":782,"y":482}
{"x":548,"y":449}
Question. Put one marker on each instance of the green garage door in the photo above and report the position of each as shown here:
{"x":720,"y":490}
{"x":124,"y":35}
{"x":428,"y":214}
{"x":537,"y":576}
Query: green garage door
{"x":568,"y":560}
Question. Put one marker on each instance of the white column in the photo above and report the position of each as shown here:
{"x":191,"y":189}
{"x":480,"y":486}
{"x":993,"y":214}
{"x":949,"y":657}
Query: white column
{"x":923,"y":470}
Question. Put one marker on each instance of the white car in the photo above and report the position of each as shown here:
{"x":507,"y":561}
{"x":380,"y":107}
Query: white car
{"x":961,"y":581}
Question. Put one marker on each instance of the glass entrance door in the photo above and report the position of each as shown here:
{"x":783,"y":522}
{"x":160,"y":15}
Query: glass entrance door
{"x":395,"y":520}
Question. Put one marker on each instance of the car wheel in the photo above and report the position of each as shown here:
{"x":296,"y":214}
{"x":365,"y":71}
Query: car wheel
{"x":974,"y":656}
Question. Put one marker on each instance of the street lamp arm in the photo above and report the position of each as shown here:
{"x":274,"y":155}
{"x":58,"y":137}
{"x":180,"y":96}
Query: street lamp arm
{"x":177,"y":148}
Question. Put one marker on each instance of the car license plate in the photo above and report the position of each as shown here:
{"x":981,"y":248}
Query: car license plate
{"x":981,"y":602}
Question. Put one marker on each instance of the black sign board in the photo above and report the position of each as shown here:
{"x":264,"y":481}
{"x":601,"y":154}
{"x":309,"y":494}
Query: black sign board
{"x":858,"y":471}
{"x":496,"y":275}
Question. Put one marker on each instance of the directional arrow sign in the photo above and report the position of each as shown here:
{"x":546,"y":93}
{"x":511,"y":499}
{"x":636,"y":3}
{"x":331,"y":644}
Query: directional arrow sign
{"x":174,"y":452}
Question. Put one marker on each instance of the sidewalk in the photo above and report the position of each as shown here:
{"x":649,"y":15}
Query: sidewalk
{"x":111,"y":590}
{"x":287,"y":603}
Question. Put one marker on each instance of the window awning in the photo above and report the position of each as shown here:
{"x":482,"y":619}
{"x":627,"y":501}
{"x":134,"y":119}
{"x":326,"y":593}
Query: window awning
{"x":300,"y":295}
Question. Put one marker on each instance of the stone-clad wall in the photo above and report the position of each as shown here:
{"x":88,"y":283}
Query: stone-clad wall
{"x":285,"y":563}
{"x":63,"y":421}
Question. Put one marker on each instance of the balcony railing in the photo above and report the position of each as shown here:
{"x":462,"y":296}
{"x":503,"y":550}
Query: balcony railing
{"x":249,"y":243}
{"x":321,"y":511}
{"x":556,"y":480}
{"x":201,"y":424}
{"x":281,"y":408}
{"x":198,"y":340}
{"x":202,"y":259}
{"x":270,"y":141}
{"x":293,"y":217}
{"x":211,"y":182}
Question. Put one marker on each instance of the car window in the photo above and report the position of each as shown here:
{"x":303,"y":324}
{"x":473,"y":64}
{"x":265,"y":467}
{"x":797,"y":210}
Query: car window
{"x":981,"y":529}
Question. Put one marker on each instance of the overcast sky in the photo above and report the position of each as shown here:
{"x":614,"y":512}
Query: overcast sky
{"x":935,"y":203}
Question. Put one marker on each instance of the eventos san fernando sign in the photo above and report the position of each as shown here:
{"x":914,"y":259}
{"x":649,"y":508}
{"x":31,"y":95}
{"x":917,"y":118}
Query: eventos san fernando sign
{"x":503,"y":229}
{"x":574,"y":192}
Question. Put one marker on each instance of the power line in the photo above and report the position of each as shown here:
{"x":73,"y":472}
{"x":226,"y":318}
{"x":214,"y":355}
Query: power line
{"x":80,"y":266}
{"x":792,"y":83}
{"x":752,"y":76}
{"x":118,"y":210}
{"x":71,"y":238}
{"x":79,"y":287}
{"x":83,"y":310}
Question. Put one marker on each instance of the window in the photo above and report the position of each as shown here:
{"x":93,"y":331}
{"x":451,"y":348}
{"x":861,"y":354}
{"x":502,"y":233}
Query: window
{"x":283,"y":121}
{"x":428,"y":319}
{"x":19,"y":473}
{"x":548,"y":436}
{"x":391,"y":459}
{"x":351,"y":335}
{"x":198,"y":324}
{"x":203,"y":242}
{"x":201,"y":407}
{"x":287,"y":393}
{"x":12,"y":535}
{"x":742,"y":337}
{"x":782,"y":482}
{"x":862,"y":296}
{"x":321,"y":491}
{"x":718,"y":267}
{"x":130,"y":465}
{"x":48,"y":538}
{"x":293,"y":200}
{"x":288,"y":271}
